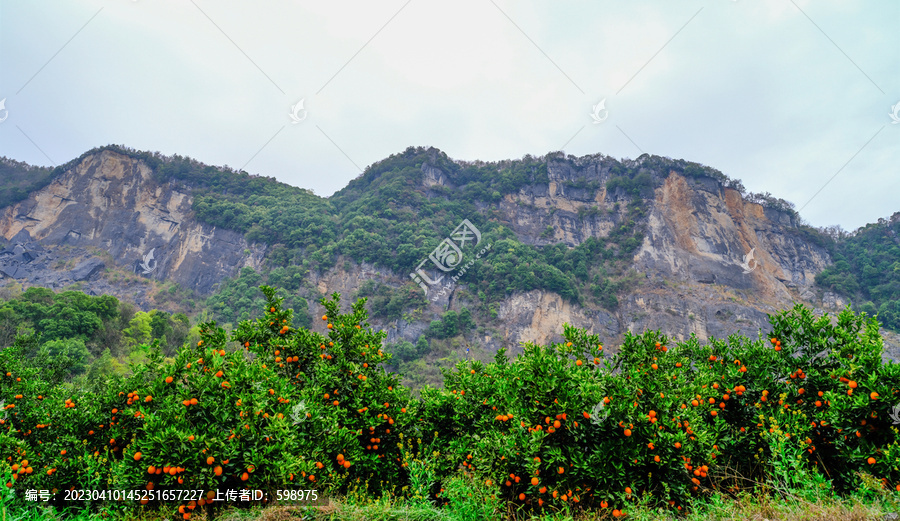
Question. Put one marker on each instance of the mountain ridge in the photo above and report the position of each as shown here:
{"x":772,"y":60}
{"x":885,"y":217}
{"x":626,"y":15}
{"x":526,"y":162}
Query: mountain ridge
{"x":649,"y":243}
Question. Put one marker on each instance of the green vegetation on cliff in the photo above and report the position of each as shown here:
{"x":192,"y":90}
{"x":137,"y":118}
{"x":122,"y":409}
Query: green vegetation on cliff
{"x":867,"y":269}
{"x":392,"y":218}
{"x":80,"y":328}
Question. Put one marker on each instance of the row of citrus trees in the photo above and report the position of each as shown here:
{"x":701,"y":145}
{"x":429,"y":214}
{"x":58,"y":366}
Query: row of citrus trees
{"x":565,"y":424}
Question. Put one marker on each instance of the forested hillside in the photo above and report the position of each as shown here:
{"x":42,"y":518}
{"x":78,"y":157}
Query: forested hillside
{"x":867,"y":269}
{"x":18,"y":179}
{"x":387,"y":217}
{"x":395,"y":213}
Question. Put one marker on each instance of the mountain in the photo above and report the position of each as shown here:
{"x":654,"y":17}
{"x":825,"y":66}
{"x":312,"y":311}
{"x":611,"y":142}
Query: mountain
{"x":609,"y":245}
{"x":107,"y":211}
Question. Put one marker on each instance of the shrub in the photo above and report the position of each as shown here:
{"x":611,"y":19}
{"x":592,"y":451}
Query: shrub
{"x":562,"y":425}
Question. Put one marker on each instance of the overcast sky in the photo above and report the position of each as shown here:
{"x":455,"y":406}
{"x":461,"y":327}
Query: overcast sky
{"x":790,"y":96}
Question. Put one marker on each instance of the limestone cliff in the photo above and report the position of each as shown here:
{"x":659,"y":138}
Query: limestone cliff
{"x":108,"y":211}
{"x":711,"y":263}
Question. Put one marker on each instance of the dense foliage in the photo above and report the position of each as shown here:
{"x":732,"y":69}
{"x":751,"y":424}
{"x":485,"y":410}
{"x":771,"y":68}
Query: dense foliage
{"x":232,"y":301}
{"x":82,"y":327}
{"x":18,"y":179}
{"x":867,"y":269}
{"x":561,"y":426}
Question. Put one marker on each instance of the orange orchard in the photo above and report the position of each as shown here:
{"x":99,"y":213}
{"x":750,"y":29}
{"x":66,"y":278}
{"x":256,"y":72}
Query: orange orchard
{"x":544,"y":429}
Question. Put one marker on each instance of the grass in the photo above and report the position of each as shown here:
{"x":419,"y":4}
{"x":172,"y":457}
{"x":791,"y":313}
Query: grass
{"x":468,"y":500}
{"x":866,"y":504}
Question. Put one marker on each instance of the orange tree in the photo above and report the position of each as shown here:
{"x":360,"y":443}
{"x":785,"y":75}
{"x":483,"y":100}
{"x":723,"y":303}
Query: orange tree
{"x":211,"y":420}
{"x":563,"y":425}
{"x":55,"y":436}
{"x":293,"y":409}
{"x":560,"y":425}
{"x":835,"y":375}
{"x":355,"y":410}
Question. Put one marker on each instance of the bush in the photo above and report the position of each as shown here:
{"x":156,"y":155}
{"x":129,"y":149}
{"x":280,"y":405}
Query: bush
{"x":561,"y":426}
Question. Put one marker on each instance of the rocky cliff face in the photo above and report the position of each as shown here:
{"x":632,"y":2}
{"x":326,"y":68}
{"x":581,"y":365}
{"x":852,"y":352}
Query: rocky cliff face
{"x":711,"y":263}
{"x":109,"y":212}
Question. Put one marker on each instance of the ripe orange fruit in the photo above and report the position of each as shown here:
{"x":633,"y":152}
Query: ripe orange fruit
{"x":627,"y":432}
{"x":677,"y":444}
{"x":578,"y":363}
{"x":210,"y":460}
{"x":168,"y":379}
{"x":873,"y":395}
{"x":852,"y":384}
{"x":871,"y":460}
{"x":535,"y":481}
{"x":628,"y":490}
{"x":245,"y":476}
{"x":218,"y":470}
{"x":137,"y":456}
